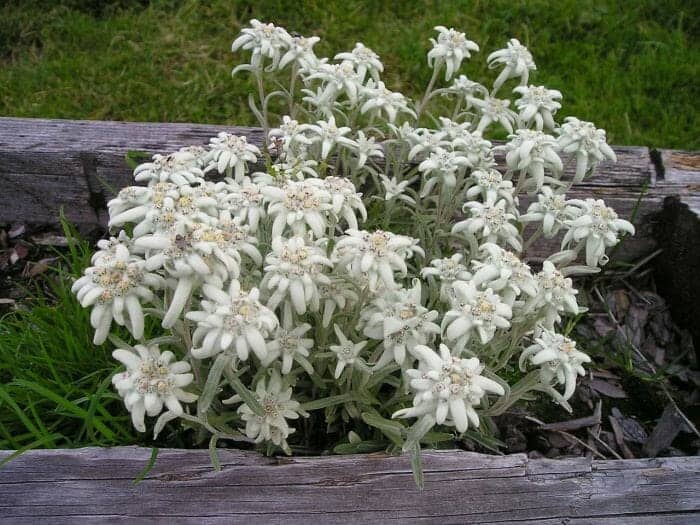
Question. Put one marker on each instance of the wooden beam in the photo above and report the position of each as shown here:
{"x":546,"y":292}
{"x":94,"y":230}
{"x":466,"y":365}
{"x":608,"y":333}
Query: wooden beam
{"x":96,"y":485}
{"x":77,"y":165}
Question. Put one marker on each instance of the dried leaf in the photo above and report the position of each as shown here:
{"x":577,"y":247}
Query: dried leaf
{"x":650,"y":348}
{"x":603,"y":326}
{"x":637,"y":317}
{"x":605,"y":374}
{"x":607,"y":388}
{"x":620,"y":438}
{"x":619,"y":304}
{"x":39,"y":267}
{"x":16,"y":230}
{"x":19,"y":251}
{"x":49,"y":239}
{"x":665,"y":431}
{"x":632,"y":430}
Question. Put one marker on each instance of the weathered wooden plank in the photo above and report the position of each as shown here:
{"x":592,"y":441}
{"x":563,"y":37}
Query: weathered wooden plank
{"x":682,"y":169}
{"x":46,"y":164}
{"x":88,"y":485}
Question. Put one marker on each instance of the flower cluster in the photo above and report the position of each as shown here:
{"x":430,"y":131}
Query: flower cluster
{"x":372,"y":258}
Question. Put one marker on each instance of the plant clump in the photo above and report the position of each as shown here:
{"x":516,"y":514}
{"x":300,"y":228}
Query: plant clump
{"x":367,"y":263}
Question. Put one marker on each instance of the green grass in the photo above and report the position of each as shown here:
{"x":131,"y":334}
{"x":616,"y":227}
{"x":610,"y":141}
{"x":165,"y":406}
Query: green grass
{"x":55,"y":388}
{"x":630,"y":66}
{"x":55,"y":384}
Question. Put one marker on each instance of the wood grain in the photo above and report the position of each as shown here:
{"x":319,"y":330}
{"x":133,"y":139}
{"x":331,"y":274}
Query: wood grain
{"x":77,"y":165}
{"x":96,"y":485}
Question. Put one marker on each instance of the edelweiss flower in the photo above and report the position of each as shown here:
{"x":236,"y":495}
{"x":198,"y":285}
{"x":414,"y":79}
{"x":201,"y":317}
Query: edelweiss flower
{"x":235,"y":321}
{"x":587,"y":142}
{"x":232,"y":237}
{"x":447,"y":388}
{"x":490,"y":222}
{"x":398,"y":319}
{"x":328,"y":134}
{"x":552,"y":209}
{"x":168,"y":208}
{"x":299,"y":205}
{"x":189,"y":258}
{"x":337,"y":294}
{"x":317,"y":99}
{"x":180,"y":168}
{"x":337,"y":79}
{"x":451,"y":47}
{"x":366,"y":147}
{"x":473,"y":310}
{"x":537,"y":104}
{"x":475,"y":148}
{"x":263,"y":41}
{"x":108,"y":248}
{"x":503,"y":272}
{"x":494,"y":110}
{"x":396,"y":190}
{"x":151,"y":380}
{"x":246,"y":201}
{"x":558,"y":359}
{"x":278,"y":406}
{"x":517,"y":60}
{"x":289,"y":345}
{"x":441,"y":167}
{"x":115,"y":287}
{"x":290,"y":133}
{"x":345,"y":200}
{"x":296,"y":169}
{"x":555,"y":294}
{"x":598,"y":226}
{"x":377,"y":99}
{"x":134,"y":201}
{"x":447,"y":271}
{"x":347,"y":353}
{"x":425,"y":141}
{"x":301,"y":51}
{"x":490,"y":186}
{"x":364,"y":60}
{"x":467,"y":88}
{"x":375,"y":256}
{"x":294,"y":271}
{"x":531,"y":152}
{"x":231,"y":152}
{"x":454,"y":130}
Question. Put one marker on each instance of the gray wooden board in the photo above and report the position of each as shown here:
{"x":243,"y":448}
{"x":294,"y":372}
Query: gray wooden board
{"x":49,"y":164}
{"x":96,"y":485}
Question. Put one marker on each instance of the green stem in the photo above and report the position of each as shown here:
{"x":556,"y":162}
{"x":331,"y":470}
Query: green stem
{"x":292,"y":86}
{"x":526,"y":384}
{"x":532,"y":239}
{"x":263,"y":106}
{"x":428,"y":90}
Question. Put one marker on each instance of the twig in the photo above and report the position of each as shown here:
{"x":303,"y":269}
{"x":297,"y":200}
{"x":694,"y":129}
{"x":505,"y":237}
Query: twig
{"x":573,"y":424}
{"x":568,"y":436}
{"x":620,"y":438}
{"x":608,"y":447}
{"x":648,"y":363}
{"x":594,"y":431}
{"x":582,"y":443}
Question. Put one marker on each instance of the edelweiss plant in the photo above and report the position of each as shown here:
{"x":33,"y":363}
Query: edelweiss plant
{"x":359,"y":268}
